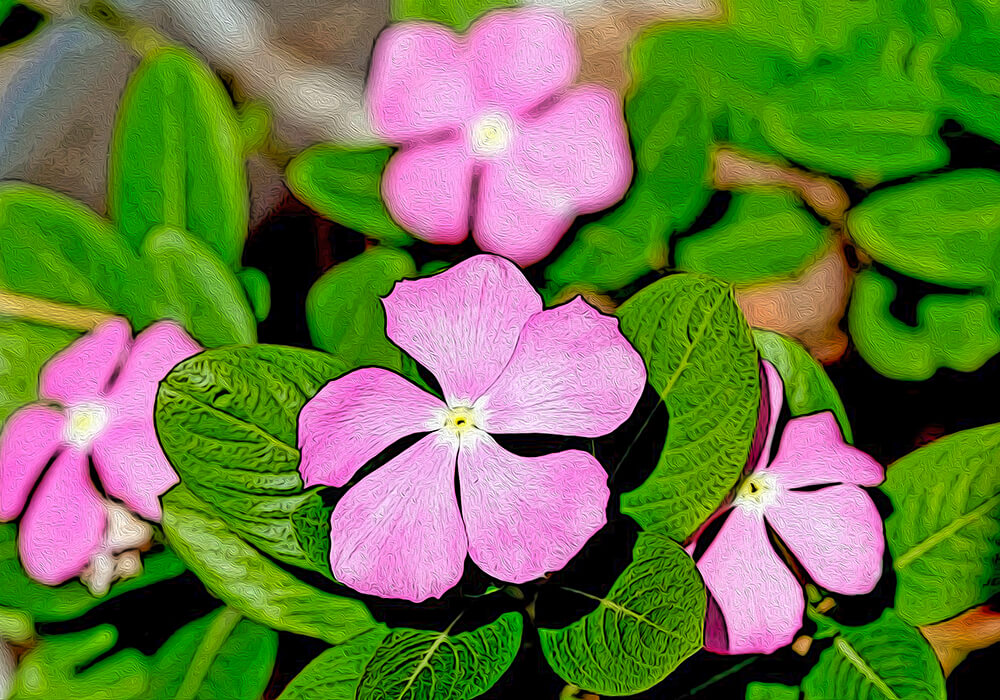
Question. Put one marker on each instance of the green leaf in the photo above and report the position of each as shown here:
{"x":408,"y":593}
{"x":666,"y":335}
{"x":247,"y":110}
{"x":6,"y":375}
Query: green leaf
{"x":336,"y":673}
{"x":771,"y":691}
{"x":218,"y":657}
{"x":701,"y":359}
{"x":311,"y":526}
{"x":959,"y":331}
{"x":258,"y":289}
{"x":970,"y":70}
{"x":762,"y":236}
{"x":649,"y":622}
{"x":945,"y":229}
{"x":177,"y":156}
{"x":416,"y":664}
{"x":808,"y":389}
{"x":344,"y":308}
{"x":5,"y":7}
{"x":884,"y":659}
{"x":24,"y":348}
{"x":944,"y":532}
{"x":198,"y":290}
{"x":457,"y":14}
{"x":342,"y":183}
{"x":249,"y":582}
{"x":227,"y":420}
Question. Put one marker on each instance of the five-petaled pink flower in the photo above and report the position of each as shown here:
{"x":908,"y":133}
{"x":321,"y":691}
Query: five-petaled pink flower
{"x":504,"y":366}
{"x":492,"y":133}
{"x":97,"y":404}
{"x":811,"y":496}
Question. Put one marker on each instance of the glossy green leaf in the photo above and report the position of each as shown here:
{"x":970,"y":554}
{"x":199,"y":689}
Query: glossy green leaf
{"x":5,"y":7}
{"x":345,"y":313}
{"x":311,"y":527}
{"x":336,"y":673}
{"x":970,"y":69}
{"x":458,"y":14}
{"x":763,"y":236}
{"x":771,"y":691}
{"x":886,"y":659}
{"x":808,"y":389}
{"x":944,"y":531}
{"x":249,"y":582}
{"x":227,"y":420}
{"x":258,"y":290}
{"x":944,"y":229}
{"x":960,"y":331}
{"x":701,"y":359}
{"x":414,"y":664}
{"x":343,"y":184}
{"x":177,"y":156}
{"x":24,"y":348}
{"x":648,"y":623}
{"x":197,"y":289}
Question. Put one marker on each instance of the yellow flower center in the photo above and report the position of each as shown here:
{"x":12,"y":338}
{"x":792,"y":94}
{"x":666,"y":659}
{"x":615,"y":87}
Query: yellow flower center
{"x":491,"y":134}
{"x":84,"y":422}
{"x":460,"y":419}
{"x":757,"y":491}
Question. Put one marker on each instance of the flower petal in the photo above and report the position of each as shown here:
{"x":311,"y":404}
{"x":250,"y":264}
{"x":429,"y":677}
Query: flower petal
{"x":813,"y":452}
{"x":526,"y":516}
{"x":419,"y":82}
{"x":29,"y":440}
{"x":82,"y":371}
{"x":132,"y":466}
{"x":572,"y":373}
{"x":775,"y":398}
{"x":428,"y":188}
{"x":398,"y":532}
{"x":758,"y":597}
{"x":520,"y":57}
{"x":462,"y":324}
{"x":354,"y":418}
{"x":64,"y":524}
{"x":836,"y":533}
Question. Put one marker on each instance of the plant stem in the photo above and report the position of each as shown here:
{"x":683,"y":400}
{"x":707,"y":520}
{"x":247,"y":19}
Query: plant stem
{"x":51,"y":313}
{"x":204,"y":656}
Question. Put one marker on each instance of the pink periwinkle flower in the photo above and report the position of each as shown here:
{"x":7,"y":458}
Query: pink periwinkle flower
{"x":97,"y":404}
{"x":492,"y":112}
{"x":810,"y":495}
{"x":504,"y":366}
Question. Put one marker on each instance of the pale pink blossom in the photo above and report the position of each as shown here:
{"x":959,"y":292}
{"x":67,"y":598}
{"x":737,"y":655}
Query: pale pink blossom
{"x":505,"y":366}
{"x":810,"y":496}
{"x":97,"y":399}
{"x":492,"y":134}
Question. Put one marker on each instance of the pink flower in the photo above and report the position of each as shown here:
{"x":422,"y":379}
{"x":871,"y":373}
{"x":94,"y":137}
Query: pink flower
{"x":491,"y":112}
{"x":811,"y":498}
{"x":504,"y":366}
{"x":104,"y":386}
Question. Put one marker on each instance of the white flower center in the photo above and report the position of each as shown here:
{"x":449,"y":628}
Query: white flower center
{"x":458,"y":420}
{"x":491,"y":134}
{"x":757,"y":492}
{"x":84,"y":422}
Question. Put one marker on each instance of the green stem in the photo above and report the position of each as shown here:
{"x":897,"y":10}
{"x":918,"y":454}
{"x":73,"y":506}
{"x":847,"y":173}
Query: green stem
{"x":204,"y":656}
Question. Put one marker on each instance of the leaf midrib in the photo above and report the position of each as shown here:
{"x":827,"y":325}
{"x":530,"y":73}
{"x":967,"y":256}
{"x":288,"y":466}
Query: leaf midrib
{"x":928,"y":543}
{"x":856,"y":660}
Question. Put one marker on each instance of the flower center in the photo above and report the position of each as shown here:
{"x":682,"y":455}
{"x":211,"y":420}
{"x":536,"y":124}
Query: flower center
{"x":491,"y":134}
{"x":84,"y":422}
{"x":757,"y":492}
{"x":458,"y":420}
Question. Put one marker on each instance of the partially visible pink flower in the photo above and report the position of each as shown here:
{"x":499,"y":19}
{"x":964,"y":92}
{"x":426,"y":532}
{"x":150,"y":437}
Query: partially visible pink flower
{"x":492,"y":112}
{"x":811,"y":496}
{"x":104,"y":389}
{"x":504,"y":366}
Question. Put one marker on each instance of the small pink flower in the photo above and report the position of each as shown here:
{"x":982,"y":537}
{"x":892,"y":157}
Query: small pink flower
{"x":105,"y":387}
{"x":810,"y":496}
{"x":504,"y":366}
{"x":492,"y":111}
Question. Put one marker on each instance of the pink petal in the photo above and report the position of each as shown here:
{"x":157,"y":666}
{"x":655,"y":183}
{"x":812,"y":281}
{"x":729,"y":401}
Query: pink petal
{"x":526,"y":516}
{"x":813,"y":452}
{"x":154,"y":353}
{"x":462,"y":324}
{"x":29,"y":440}
{"x":398,"y":532}
{"x":758,"y":597}
{"x":65,"y":521}
{"x":82,"y":371}
{"x":427,"y":189}
{"x":132,"y":465}
{"x":572,"y":373}
{"x":419,"y":82}
{"x":520,"y":57}
{"x":836,"y":533}
{"x":354,"y":418}
{"x":775,"y":398}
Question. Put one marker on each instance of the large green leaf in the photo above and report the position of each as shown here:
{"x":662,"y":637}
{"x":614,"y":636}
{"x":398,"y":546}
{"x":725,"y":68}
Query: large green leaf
{"x":701,"y":359}
{"x":416,"y":664}
{"x":343,"y":184}
{"x":648,"y":623}
{"x":884,"y":660}
{"x":336,"y":673}
{"x":944,"y":229}
{"x":771,"y":691}
{"x":970,"y":69}
{"x":24,"y":348}
{"x":944,"y":532}
{"x":249,"y":582}
{"x":228,"y":420}
{"x":177,"y":156}
{"x":458,"y":14}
